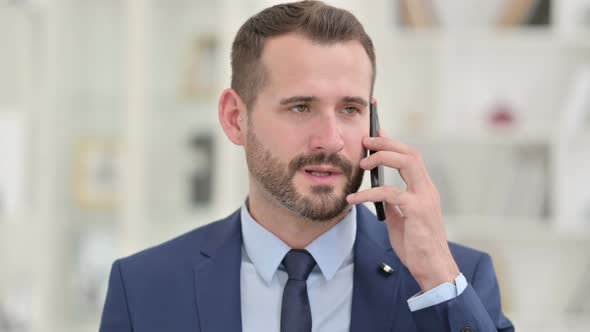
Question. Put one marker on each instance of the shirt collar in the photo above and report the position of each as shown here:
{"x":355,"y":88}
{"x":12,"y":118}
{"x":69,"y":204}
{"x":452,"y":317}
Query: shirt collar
{"x":266,"y":251}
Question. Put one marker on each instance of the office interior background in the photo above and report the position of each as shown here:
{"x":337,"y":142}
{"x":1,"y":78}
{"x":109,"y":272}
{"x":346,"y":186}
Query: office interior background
{"x":109,"y":139}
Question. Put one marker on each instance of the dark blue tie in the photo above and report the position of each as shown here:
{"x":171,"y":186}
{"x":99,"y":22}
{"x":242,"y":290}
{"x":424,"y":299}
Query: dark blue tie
{"x":295,"y":312}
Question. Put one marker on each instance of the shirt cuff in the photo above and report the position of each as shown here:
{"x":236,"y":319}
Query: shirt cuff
{"x":439,"y":294}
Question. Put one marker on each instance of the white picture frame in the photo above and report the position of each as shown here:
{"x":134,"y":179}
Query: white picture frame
{"x":96,"y":174}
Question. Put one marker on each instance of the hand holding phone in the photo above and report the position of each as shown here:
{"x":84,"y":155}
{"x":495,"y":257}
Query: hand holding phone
{"x":377,"y":172}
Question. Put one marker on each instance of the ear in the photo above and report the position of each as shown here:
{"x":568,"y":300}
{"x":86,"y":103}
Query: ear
{"x":374,"y":100}
{"x":232,"y":116}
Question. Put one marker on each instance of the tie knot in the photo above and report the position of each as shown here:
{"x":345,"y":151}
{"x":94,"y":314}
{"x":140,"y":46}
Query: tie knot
{"x":299,"y":264}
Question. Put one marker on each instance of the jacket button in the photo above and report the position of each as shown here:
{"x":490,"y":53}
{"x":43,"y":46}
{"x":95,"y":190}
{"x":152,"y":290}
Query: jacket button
{"x":467,"y":329}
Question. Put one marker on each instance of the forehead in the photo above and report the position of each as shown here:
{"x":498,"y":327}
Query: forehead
{"x":293,"y":61}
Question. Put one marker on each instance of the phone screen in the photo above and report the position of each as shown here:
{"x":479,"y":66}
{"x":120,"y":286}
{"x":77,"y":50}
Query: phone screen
{"x":377,"y":172}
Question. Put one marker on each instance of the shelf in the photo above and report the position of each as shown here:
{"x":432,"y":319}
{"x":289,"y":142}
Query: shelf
{"x":516,"y":38}
{"x":510,"y":138}
{"x":578,"y":40}
{"x":574,"y":137}
{"x":12,"y":228}
{"x":502,"y":228}
{"x":497,"y":138}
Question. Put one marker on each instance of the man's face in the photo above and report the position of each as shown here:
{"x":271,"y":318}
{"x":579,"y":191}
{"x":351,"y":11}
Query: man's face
{"x":304,"y":132}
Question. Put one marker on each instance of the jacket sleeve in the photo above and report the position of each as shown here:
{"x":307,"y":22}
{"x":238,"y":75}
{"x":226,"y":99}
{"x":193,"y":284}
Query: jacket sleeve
{"x":115,"y":314}
{"x":478,"y":308}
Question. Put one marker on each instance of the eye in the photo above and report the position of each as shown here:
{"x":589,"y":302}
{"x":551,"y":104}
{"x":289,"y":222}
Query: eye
{"x":299,"y":108}
{"x":351,"y":110}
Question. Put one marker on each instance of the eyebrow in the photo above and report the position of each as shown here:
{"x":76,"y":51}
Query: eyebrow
{"x":299,"y":99}
{"x":356,"y":100}
{"x":309,"y":99}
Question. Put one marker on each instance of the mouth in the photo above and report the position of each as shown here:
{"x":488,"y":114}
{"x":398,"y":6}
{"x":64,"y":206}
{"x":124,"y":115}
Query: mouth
{"x":321,"y":174}
{"x":322,"y":170}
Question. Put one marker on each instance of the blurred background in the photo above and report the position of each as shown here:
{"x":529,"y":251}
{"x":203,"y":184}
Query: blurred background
{"x":109,"y":140}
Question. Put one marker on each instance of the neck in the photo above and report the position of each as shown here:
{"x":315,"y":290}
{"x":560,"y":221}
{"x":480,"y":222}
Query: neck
{"x":297,"y":232}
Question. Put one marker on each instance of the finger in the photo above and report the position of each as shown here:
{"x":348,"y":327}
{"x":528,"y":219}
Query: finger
{"x":384,"y":158}
{"x":387,"y":194}
{"x":384,"y":143}
{"x":419,"y":180}
{"x":411,"y":169}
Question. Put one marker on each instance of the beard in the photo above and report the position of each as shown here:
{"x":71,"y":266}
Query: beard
{"x":324,"y":203}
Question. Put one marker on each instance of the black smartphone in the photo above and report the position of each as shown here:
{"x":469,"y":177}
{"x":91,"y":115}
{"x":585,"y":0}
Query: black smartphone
{"x":377,"y":172}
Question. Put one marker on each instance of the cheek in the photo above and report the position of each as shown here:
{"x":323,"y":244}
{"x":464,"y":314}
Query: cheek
{"x":355,"y":136}
{"x":356,"y":150}
{"x":281,"y":142}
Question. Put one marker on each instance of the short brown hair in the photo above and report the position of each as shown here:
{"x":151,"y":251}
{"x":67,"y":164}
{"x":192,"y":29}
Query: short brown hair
{"x":315,"y":20}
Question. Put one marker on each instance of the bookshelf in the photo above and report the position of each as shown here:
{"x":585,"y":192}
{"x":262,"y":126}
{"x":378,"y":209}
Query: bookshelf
{"x":512,"y":190}
{"x":113,"y":71}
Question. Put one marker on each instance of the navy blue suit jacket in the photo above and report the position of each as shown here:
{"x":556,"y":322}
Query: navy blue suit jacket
{"x":192,"y":283}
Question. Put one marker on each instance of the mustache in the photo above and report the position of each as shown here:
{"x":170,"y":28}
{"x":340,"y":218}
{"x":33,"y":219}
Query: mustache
{"x":321,"y":158}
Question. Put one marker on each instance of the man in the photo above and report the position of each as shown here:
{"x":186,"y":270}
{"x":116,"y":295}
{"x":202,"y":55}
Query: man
{"x":303,"y":253}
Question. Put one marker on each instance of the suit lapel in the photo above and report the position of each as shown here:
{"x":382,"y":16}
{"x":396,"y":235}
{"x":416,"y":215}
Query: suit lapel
{"x":373,"y":300}
{"x":217,"y":279}
{"x":374,"y":306}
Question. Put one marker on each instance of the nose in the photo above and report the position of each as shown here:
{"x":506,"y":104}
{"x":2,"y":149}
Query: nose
{"x":327,"y":134}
